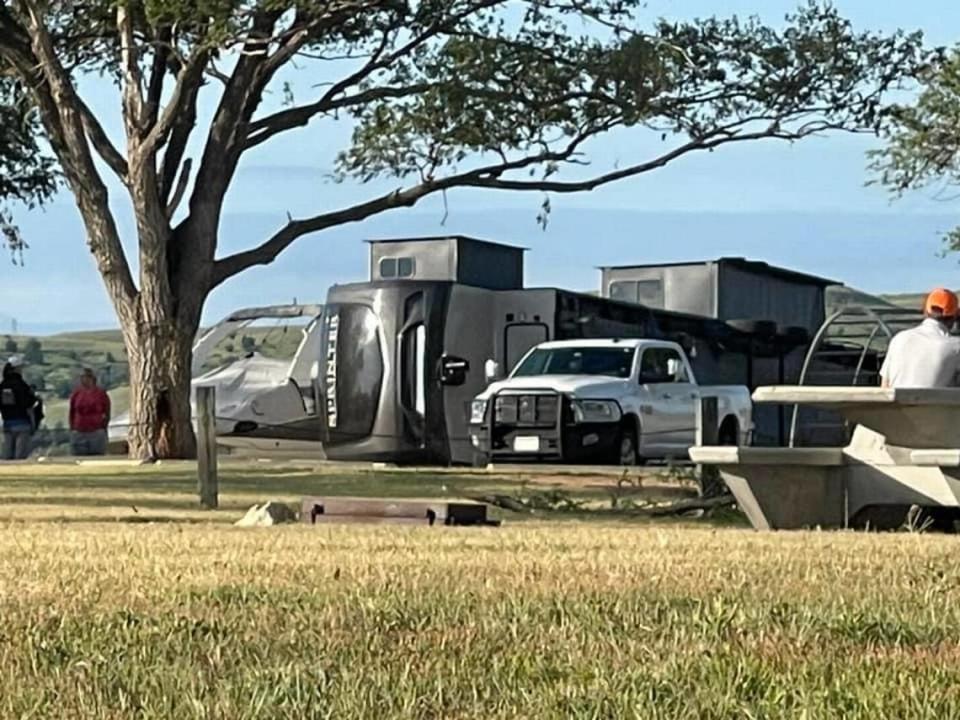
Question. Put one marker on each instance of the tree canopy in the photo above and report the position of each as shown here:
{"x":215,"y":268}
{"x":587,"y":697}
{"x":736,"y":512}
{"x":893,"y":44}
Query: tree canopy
{"x":481,"y":93}
{"x":924,"y":139}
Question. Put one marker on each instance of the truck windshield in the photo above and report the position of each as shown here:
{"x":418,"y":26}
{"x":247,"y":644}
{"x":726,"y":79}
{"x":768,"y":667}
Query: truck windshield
{"x":615,"y":362}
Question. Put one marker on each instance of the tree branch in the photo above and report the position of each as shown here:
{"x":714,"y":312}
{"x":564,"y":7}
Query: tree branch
{"x":182,"y":100}
{"x":183,"y":126}
{"x":103,"y":145}
{"x":158,"y":72}
{"x":133,"y":111}
{"x":267,"y":127}
{"x":486,"y":177}
{"x":237,"y":104}
{"x":181,"y":188}
{"x":268,"y":251}
{"x":496,"y":183}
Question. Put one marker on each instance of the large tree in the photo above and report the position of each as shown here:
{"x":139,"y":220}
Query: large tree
{"x":499,"y":94}
{"x":923,"y":149}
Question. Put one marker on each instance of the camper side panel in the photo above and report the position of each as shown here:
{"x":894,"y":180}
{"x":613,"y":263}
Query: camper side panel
{"x":745,"y":294}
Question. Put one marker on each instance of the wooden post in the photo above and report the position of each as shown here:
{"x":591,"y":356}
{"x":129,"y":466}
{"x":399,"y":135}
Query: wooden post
{"x":708,"y":434}
{"x":207,"y":447}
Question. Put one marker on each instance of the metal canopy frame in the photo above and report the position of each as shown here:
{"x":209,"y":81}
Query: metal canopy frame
{"x":851,"y":333}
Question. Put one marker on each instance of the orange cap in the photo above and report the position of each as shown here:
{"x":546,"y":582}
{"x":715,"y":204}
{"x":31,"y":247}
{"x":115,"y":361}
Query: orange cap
{"x":942,"y":303}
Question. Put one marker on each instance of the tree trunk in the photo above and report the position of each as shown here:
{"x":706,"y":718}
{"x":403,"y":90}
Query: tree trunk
{"x":160,"y":415}
{"x":174,"y":282}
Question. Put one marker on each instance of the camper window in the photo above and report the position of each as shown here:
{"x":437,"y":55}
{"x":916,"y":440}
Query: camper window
{"x":402,"y":267}
{"x":645,"y":292}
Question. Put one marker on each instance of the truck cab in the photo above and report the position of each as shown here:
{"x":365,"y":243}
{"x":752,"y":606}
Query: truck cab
{"x":606,"y":400}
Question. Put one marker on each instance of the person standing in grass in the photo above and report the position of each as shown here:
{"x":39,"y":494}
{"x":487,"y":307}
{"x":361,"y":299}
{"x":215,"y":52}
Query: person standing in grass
{"x":17,"y":401}
{"x":89,"y":416}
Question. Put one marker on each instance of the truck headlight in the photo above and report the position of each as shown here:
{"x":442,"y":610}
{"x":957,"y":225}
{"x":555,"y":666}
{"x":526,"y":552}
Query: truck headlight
{"x":478,"y":412}
{"x":595,"y":411}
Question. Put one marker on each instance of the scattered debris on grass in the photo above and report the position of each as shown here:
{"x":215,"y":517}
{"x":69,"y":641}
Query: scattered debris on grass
{"x":268,"y":514}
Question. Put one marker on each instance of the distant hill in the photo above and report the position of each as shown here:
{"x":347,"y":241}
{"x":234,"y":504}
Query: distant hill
{"x":839,"y":296}
{"x":914,"y":301}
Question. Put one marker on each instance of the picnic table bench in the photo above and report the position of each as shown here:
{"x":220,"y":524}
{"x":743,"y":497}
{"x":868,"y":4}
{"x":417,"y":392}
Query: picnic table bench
{"x":904,"y":452}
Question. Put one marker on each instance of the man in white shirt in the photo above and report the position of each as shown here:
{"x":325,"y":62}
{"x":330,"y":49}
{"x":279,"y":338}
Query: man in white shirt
{"x":927,"y":356}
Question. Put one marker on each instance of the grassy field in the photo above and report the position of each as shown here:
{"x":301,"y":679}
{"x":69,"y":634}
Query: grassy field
{"x":119,"y":600}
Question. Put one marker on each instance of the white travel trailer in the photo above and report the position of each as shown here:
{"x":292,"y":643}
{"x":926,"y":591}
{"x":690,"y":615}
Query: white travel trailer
{"x":264,"y":405}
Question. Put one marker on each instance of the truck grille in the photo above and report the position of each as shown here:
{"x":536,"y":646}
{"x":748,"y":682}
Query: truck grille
{"x":527,"y":410}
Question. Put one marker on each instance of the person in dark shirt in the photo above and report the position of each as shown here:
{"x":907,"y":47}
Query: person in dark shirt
{"x":17,"y":401}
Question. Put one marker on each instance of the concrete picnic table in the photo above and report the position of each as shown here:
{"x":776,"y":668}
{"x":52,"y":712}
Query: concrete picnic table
{"x":905,"y":451}
{"x":915,"y":418}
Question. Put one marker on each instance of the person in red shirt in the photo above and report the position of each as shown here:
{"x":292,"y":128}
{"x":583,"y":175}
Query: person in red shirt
{"x":89,"y":416}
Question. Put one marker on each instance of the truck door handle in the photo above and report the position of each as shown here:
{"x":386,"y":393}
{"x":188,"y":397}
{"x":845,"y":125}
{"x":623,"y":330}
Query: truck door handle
{"x":667,"y":396}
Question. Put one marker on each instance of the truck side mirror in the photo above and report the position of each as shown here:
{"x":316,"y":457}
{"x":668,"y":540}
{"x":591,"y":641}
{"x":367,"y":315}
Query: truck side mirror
{"x":491,"y":370}
{"x":453,"y":370}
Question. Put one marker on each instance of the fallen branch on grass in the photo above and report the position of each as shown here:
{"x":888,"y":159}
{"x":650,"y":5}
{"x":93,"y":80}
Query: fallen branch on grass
{"x":684,"y":506}
{"x":535,"y":503}
{"x":503,"y":501}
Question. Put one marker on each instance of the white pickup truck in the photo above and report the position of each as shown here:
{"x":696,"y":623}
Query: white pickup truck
{"x":619,"y":401}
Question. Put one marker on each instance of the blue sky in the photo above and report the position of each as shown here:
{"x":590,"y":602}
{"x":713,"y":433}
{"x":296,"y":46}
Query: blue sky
{"x":802,"y":205}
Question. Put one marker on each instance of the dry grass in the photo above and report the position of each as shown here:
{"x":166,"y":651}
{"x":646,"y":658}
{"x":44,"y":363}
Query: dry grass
{"x":544,"y":619}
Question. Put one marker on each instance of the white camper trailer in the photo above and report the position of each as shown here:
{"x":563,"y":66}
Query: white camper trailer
{"x":264,"y":405}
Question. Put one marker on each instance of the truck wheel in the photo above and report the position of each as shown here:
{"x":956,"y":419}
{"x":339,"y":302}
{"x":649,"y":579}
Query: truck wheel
{"x":627,"y":447}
